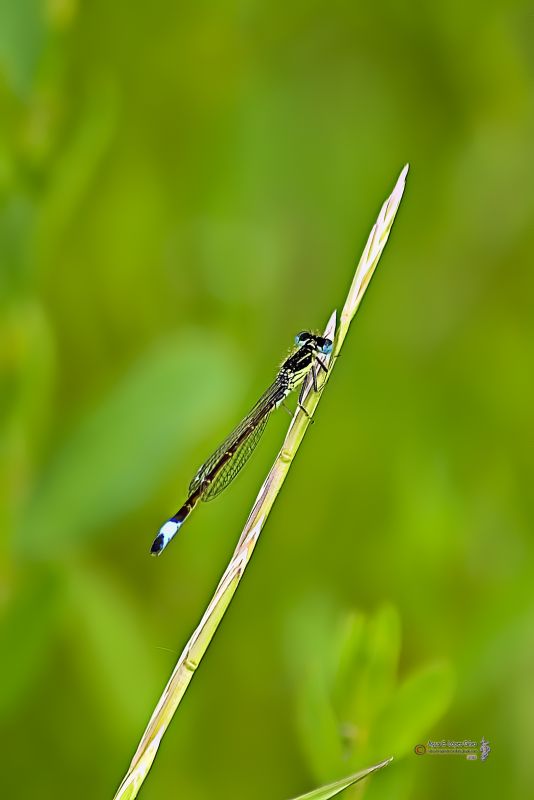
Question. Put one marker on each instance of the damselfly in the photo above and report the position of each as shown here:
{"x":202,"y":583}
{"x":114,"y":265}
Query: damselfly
{"x":221,"y":468}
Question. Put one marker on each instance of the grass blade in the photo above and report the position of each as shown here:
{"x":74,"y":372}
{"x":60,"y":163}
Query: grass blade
{"x":324,"y":792}
{"x":202,"y":636}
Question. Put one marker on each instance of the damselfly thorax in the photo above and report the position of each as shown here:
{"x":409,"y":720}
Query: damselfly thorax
{"x":228,"y":459}
{"x":295,"y":368}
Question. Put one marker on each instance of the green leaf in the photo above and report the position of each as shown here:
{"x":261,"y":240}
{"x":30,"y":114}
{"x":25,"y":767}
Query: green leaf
{"x":349,"y":659}
{"x":332,"y":789}
{"x":121,"y":451}
{"x":313,"y":643}
{"x":26,"y":638}
{"x":75,"y":169}
{"x":375,"y":680}
{"x":111,"y":645}
{"x":313,"y":629}
{"x":318,"y":726}
{"x":22,"y":37}
{"x":418,"y":704}
{"x":35,"y":373}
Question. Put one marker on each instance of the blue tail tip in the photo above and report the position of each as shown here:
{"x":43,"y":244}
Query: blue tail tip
{"x":165,"y":535}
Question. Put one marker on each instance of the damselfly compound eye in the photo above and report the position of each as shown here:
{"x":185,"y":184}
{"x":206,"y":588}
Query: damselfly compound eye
{"x":303,"y":336}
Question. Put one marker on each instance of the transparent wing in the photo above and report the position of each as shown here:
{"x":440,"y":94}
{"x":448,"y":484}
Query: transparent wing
{"x":236,"y":463}
{"x":269,"y":398}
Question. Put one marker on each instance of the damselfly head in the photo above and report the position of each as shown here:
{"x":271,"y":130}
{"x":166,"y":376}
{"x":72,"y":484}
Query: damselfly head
{"x":319,"y":343}
{"x":325,"y":345}
{"x":303,"y":337}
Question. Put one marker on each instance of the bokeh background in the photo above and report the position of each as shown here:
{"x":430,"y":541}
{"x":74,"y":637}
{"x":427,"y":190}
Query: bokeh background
{"x":183,"y":187}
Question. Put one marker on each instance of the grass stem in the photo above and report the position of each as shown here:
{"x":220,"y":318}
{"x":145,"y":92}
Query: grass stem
{"x":203,"y":634}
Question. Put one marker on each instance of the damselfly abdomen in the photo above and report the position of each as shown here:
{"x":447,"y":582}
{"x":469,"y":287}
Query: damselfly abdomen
{"x":221,"y":468}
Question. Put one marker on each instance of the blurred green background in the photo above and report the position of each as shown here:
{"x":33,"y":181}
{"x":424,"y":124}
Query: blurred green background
{"x":183,"y":187}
